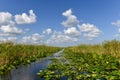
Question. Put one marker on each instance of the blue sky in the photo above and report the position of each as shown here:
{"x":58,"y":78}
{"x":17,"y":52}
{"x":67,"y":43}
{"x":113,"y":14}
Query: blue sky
{"x":59,"y":22}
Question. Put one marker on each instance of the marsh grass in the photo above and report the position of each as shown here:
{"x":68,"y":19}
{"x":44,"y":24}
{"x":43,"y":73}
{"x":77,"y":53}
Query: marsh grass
{"x":107,"y":47}
{"x":12,"y":55}
{"x":88,"y":62}
{"x":101,"y":61}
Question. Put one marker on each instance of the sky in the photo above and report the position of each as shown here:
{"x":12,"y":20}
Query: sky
{"x":59,"y":22}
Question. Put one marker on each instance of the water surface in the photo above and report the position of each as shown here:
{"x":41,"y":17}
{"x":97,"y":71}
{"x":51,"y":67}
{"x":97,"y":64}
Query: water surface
{"x":28,"y":72}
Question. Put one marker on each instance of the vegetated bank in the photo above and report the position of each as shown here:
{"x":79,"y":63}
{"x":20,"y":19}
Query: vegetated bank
{"x":87,"y":62}
{"x":12,"y":55}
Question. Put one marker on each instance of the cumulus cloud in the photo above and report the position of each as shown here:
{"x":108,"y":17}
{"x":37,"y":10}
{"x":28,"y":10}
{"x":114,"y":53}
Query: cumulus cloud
{"x":72,"y":31}
{"x":12,"y":39}
{"x":117,"y":23}
{"x":59,"y":38}
{"x":6,"y":39}
{"x":116,"y":36}
{"x":71,"y":19}
{"x":72,"y":24}
{"x":10,"y":29}
{"x":67,"y":12}
{"x":26,"y":19}
{"x":3,"y":34}
{"x":26,"y":39}
{"x":89,"y":30}
{"x":2,"y":39}
{"x":90,"y":35}
{"x":47,"y":31}
{"x":34,"y":38}
{"x":7,"y":22}
{"x":5,"y":18}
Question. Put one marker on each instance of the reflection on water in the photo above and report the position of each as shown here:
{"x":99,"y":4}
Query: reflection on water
{"x":28,"y":72}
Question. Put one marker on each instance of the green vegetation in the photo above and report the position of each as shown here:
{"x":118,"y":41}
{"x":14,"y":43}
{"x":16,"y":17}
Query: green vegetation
{"x":87,"y":62}
{"x":12,"y":55}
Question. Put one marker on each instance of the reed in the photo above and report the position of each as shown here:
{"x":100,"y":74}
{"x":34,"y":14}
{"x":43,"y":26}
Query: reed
{"x":87,"y":62}
{"x":16,"y":54}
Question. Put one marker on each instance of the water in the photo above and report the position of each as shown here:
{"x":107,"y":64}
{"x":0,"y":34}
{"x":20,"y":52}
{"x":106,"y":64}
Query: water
{"x":28,"y":72}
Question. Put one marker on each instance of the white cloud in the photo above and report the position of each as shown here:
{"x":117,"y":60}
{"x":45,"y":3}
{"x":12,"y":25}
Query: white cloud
{"x":119,"y":30}
{"x":67,"y":12}
{"x":88,"y":27}
{"x":117,"y":23}
{"x":26,"y":19}
{"x":59,"y":38}
{"x":5,"y":18}
{"x":48,"y":31}
{"x":89,"y":30}
{"x":37,"y":37}
{"x":72,"y":23}
{"x":26,"y":39}
{"x":116,"y":35}
{"x":8,"y":26}
{"x":3,"y":34}
{"x":12,"y":39}
{"x":2,"y":39}
{"x":11,"y":29}
{"x":91,"y":35}
{"x":34,"y":38}
{"x":72,"y":31}
{"x":71,"y":19}
{"x":71,"y":34}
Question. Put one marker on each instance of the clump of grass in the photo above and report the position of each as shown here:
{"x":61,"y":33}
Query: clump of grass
{"x":12,"y":55}
{"x":112,"y":47}
{"x":99,"y":61}
{"x":88,"y":62}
